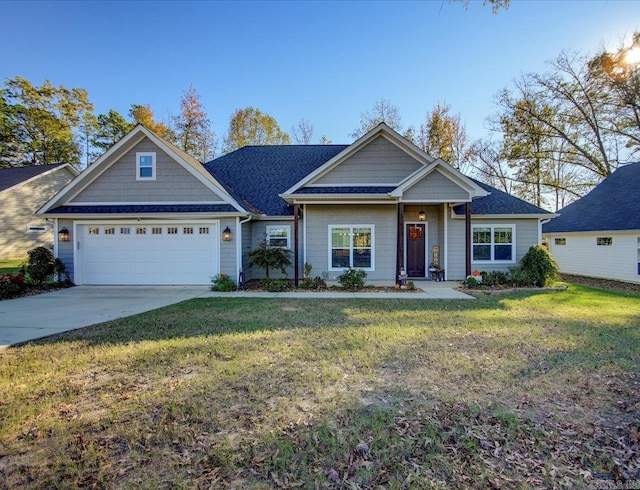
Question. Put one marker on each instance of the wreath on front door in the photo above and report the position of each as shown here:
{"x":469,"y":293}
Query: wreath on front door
{"x":415,"y":233}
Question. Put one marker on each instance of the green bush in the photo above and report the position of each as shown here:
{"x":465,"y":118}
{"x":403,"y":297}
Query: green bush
{"x":11,"y":285}
{"x":222,"y":283}
{"x":352,"y":279}
{"x":495,"y":278}
{"x":471,"y":282}
{"x":40,"y":265}
{"x":274,"y":285}
{"x":539,"y":266}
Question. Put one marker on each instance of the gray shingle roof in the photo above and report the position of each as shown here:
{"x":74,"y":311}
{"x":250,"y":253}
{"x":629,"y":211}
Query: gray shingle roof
{"x":613,"y":204}
{"x":499,"y":202}
{"x":256,"y":175}
{"x":14,"y":175}
{"x":145,"y":208}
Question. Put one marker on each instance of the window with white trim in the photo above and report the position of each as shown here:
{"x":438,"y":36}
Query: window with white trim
{"x":110,"y":231}
{"x":604,"y":241}
{"x":278,"y":236}
{"x":351,"y":246}
{"x":560,"y":241}
{"x":493,"y":243}
{"x":145,"y":165}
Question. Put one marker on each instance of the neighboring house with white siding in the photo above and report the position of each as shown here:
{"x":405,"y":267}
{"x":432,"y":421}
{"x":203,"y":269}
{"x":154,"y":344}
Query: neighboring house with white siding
{"x":23,"y":190}
{"x":599,"y":234}
{"x":147,"y":213}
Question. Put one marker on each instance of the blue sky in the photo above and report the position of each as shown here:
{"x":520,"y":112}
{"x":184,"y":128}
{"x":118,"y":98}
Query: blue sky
{"x":323,"y":61}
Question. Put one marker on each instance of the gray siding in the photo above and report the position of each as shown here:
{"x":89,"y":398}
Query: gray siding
{"x":247,"y":245}
{"x":380,"y":162}
{"x":436,"y":186}
{"x":526,"y":236}
{"x":17,"y":208}
{"x":258,"y":233}
{"x":65,"y":249}
{"x":173,"y":182}
{"x":383,"y":217}
{"x":228,"y":249}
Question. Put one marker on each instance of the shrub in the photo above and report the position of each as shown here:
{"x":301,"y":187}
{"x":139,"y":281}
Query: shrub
{"x":307,"y":270}
{"x":222,"y":283}
{"x":11,"y":285}
{"x":539,"y":266}
{"x":319,"y":282}
{"x":270,"y":257}
{"x":352,"y":279}
{"x":471,"y":282}
{"x":495,"y":278}
{"x":274,"y":285}
{"x":40,"y":265}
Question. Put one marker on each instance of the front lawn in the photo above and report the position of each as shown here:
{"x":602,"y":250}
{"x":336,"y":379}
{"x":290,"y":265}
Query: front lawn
{"x":523,"y":390}
{"x":10,"y":265}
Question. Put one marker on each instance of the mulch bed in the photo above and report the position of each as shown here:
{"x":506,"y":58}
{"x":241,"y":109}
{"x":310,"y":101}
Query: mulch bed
{"x":602,"y":283}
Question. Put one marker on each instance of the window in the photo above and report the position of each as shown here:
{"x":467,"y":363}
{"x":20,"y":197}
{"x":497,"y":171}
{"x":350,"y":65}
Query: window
{"x":94,"y":231}
{"x":493,"y":243}
{"x":125,"y":231}
{"x":145,"y":166}
{"x":604,"y":241}
{"x":172,"y":230}
{"x":187,"y":230}
{"x":560,"y":241}
{"x":278,"y":236}
{"x":110,"y":231}
{"x":156,"y":230}
{"x":204,"y":230}
{"x":351,"y":246}
{"x":141,"y":230}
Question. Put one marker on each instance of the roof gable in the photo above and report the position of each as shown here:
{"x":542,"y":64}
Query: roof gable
{"x":11,"y":177}
{"x":612,"y":205}
{"x":121,"y":149}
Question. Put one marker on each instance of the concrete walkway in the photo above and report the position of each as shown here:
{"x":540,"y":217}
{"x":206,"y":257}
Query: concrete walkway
{"x":32,"y":317}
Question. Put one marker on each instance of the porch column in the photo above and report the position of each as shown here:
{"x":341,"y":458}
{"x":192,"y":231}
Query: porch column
{"x":296,"y":265}
{"x":467,"y":237}
{"x":400,"y":241}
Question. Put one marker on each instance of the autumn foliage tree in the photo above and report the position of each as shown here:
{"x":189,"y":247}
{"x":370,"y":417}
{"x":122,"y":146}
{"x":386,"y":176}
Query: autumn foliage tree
{"x":193,"y":133}
{"x":251,"y":126}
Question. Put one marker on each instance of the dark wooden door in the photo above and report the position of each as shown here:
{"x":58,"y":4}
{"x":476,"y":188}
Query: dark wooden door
{"x":415,"y":250}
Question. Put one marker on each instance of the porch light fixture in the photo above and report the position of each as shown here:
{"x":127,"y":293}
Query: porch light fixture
{"x":226,"y":234}
{"x":422,"y":216}
{"x":63,"y":234}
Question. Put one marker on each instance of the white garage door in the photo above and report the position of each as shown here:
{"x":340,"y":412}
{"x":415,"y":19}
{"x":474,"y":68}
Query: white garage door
{"x":138,"y":253}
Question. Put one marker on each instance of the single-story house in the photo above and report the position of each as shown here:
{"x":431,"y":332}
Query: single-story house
{"x":23,"y":190}
{"x":147,"y":213}
{"x":599,"y":234}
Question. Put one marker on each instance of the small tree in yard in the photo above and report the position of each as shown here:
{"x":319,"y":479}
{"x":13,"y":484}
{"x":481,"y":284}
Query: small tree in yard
{"x":40,"y":265}
{"x":539,"y":266}
{"x":270,"y":257}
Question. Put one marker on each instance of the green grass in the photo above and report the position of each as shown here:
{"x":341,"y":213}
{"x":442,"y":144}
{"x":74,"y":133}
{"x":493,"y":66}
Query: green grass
{"x":518,"y":390}
{"x":10,"y":265}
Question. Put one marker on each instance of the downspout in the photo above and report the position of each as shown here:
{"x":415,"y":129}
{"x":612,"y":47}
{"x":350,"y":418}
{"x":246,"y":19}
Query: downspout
{"x":467,"y":238}
{"x":239,"y":244}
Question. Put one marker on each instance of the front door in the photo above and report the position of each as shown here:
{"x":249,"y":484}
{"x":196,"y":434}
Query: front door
{"x":416,"y":244}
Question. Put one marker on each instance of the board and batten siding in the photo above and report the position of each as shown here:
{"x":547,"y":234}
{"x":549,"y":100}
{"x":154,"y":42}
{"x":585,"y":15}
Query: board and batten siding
{"x":65,"y":249}
{"x":435,"y":186}
{"x":173,"y":182}
{"x":228,"y":250}
{"x":380,"y":162}
{"x":582,"y":255}
{"x":17,"y":207}
{"x":383,"y":217}
{"x":526,"y":231}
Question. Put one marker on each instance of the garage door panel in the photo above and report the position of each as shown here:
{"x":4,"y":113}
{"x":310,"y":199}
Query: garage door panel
{"x":173,"y":253}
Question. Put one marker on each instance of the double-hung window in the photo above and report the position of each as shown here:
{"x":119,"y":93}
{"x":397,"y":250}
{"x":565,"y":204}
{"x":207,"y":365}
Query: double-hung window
{"x":278,"y":236}
{"x":351,"y":246}
{"x":145,"y":166}
{"x":494,"y":243}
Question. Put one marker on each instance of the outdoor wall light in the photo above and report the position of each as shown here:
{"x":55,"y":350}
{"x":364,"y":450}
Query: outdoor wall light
{"x":63,"y":234}
{"x":422,"y":216}
{"x":226,"y":234}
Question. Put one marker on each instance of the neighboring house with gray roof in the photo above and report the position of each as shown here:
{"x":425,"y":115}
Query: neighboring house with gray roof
{"x":23,"y":190}
{"x":599,"y":234}
{"x":146,"y":213}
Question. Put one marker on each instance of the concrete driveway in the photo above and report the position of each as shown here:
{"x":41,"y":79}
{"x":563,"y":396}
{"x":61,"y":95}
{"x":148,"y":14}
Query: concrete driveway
{"x":32,"y":317}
